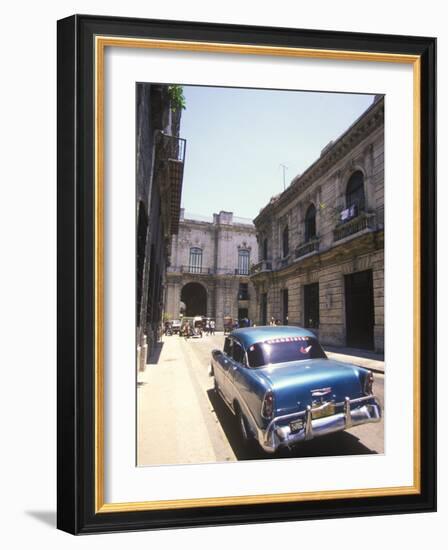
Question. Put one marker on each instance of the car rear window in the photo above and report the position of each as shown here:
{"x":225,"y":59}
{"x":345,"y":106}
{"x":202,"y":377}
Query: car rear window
{"x":283,"y":350}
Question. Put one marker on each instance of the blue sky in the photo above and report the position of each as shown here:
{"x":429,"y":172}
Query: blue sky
{"x":237,"y":139}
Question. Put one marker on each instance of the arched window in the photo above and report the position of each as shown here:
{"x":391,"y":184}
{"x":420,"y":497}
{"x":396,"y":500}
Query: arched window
{"x":285,"y":239}
{"x":310,"y":223}
{"x":243,"y":262}
{"x":195,"y":265}
{"x":355,"y":192}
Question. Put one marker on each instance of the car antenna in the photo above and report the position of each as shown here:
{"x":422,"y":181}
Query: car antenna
{"x":284,"y":167}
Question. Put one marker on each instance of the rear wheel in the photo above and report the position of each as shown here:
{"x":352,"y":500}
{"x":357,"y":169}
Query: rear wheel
{"x":246,"y":434}
{"x":243,"y":427}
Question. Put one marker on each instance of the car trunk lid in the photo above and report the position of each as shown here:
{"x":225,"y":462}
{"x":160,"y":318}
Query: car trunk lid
{"x":298,"y":384}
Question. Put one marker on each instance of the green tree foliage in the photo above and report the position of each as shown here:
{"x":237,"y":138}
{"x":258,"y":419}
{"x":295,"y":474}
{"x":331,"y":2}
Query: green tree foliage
{"x":177,"y":97}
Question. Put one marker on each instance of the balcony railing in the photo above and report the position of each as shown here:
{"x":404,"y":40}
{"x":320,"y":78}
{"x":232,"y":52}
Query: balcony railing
{"x":365,"y":220}
{"x":170,"y":148}
{"x":199,"y":270}
{"x":169,"y":169}
{"x":307,"y":248}
{"x":196,"y":270}
{"x":283,"y":262}
{"x":264,"y":265}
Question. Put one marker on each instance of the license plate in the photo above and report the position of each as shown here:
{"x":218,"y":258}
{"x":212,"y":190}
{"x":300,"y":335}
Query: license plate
{"x":296,"y":425}
{"x":321,"y":411}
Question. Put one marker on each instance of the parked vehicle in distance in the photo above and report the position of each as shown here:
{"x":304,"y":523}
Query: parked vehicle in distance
{"x":198,"y":326}
{"x":175,"y":326}
{"x":228,"y":324}
{"x":283,"y":389}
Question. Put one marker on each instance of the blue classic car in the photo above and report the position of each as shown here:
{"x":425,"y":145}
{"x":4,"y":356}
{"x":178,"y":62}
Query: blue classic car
{"x":283,"y":388}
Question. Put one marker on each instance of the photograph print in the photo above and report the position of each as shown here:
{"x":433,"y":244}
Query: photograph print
{"x":259,"y":274}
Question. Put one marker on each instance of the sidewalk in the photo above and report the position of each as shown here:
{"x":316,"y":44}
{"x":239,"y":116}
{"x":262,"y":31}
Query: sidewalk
{"x":170,"y":421}
{"x":362,"y":358}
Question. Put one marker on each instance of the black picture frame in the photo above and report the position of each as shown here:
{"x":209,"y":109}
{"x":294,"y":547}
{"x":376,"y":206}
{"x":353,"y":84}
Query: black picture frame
{"x":76,"y":475}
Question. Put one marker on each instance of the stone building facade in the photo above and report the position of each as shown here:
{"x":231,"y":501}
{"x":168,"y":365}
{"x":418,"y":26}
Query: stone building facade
{"x":159,"y":176}
{"x":210,"y":266}
{"x":321,"y":242}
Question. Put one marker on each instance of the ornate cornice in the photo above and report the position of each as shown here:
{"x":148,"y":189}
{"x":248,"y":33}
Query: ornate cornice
{"x":365,"y":125}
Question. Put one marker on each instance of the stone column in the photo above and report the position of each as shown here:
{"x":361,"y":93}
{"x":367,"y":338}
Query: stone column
{"x":233,"y":296}
{"x":369,"y":188}
{"x":173,"y":297}
{"x":254,"y":305}
{"x":176,"y":299}
{"x":331,"y":306}
{"x":378,"y":301}
{"x":211,"y":298}
{"x":219,"y":301}
{"x":274,"y":301}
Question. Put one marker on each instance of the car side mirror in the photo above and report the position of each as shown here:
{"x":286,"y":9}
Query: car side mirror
{"x":217,"y":352}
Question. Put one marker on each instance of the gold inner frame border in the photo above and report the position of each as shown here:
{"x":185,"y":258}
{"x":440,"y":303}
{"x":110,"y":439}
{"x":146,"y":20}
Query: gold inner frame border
{"x":101,"y":42}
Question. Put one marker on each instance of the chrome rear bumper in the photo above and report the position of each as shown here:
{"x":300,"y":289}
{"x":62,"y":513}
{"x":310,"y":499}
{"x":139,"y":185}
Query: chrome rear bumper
{"x":355,"y":412}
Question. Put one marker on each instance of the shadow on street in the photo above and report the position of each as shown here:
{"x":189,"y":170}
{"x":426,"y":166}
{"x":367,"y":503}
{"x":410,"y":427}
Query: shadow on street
{"x":338,"y":444}
{"x":155,"y":354}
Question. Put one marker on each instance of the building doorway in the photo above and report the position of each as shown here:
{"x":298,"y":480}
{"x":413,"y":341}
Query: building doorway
{"x":194,"y":296}
{"x":359,"y":311}
{"x":243,"y":313}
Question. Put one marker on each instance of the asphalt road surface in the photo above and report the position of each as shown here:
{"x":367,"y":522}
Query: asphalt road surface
{"x":182,"y":420}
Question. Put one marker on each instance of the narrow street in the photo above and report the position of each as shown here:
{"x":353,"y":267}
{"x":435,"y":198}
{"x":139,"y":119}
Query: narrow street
{"x":182,"y":421}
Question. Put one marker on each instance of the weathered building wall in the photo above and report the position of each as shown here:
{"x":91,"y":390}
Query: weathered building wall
{"x":159,"y":173}
{"x":339,"y":249}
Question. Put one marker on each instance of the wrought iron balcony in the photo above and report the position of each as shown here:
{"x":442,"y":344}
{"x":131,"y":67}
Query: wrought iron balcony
{"x":364,"y":220}
{"x":169,"y":170}
{"x":228,"y":271}
{"x":307,"y":248}
{"x":283,"y":262}
{"x":199,"y":270}
{"x":260,"y":267}
{"x":170,"y":148}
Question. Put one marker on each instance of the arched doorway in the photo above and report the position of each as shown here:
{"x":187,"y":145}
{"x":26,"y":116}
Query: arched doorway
{"x":194,"y":296}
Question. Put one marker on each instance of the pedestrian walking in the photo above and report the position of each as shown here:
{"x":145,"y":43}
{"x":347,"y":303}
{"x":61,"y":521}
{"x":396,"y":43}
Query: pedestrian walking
{"x":212,"y":327}
{"x":207,"y":327}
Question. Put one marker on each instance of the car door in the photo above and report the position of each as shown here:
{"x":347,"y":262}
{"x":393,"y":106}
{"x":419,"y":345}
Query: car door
{"x":224,"y":361}
{"x":236,"y":364}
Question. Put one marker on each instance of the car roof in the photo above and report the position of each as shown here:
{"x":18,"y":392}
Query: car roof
{"x":252,"y":335}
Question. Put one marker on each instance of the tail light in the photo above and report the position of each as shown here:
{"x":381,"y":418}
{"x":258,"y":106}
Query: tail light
{"x":368,"y":384}
{"x":267,"y":408}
